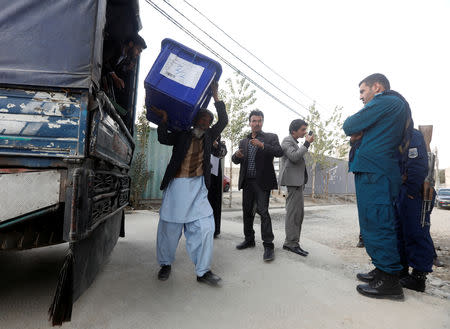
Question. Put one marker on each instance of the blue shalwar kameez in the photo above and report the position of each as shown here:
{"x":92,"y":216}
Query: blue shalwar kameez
{"x":185,"y":206}
{"x":377,"y":175}
{"x":415,"y":243}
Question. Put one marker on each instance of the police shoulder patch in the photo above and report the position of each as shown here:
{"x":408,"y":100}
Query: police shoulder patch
{"x":413,"y":153}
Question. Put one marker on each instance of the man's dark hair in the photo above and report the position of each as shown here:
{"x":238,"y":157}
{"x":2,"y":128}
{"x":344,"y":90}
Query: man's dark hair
{"x":137,"y":41}
{"x":257,"y":113}
{"x":296,"y":125}
{"x":376,"y":77}
{"x":204,"y":112}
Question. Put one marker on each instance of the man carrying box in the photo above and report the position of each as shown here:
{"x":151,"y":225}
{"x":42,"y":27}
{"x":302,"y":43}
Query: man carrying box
{"x":185,"y":200}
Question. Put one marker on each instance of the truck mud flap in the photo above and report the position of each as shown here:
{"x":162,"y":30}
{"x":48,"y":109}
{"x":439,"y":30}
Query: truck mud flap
{"x":81,"y":265}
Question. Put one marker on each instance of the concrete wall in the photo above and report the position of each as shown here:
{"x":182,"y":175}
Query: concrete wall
{"x":158,"y":157}
{"x":337,"y":177}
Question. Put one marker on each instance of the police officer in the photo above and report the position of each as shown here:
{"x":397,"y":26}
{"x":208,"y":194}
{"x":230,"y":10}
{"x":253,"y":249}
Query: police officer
{"x":380,"y":125}
{"x":415,"y":243}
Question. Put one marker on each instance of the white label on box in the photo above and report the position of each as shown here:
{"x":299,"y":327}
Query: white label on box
{"x":182,"y":71}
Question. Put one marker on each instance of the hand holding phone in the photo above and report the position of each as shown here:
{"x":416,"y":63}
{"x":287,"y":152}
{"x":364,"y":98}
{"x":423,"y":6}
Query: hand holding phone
{"x":310,"y":137}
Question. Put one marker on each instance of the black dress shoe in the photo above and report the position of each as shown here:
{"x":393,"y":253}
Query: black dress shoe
{"x":246,"y":244}
{"x":296,"y":250}
{"x":383,"y":285}
{"x":306,"y":252}
{"x":209,"y":278}
{"x":164,"y":272}
{"x":269,"y":254}
{"x":367,"y":277}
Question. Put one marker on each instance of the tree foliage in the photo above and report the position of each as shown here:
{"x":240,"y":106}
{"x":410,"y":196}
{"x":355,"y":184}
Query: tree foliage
{"x":442,"y":176}
{"x":238,"y":97}
{"x":139,"y":169}
{"x":329,"y":140}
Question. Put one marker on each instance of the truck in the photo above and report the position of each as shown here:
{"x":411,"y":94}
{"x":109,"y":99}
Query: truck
{"x":66,"y":141}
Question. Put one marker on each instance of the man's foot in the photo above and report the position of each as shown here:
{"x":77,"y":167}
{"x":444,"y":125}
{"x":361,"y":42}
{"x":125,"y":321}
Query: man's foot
{"x":414,"y":281}
{"x":384,"y":285}
{"x":404,"y":272}
{"x":246,"y":244}
{"x":164,"y":272}
{"x":216,"y":235}
{"x":306,"y":252}
{"x":367,"y":277}
{"x":296,"y":250}
{"x":269,"y":254}
{"x":209,"y":278}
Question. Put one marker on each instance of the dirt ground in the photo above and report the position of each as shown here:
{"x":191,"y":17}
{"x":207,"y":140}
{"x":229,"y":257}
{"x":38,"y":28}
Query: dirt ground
{"x":343,"y":234}
{"x":336,"y":226}
{"x":291,"y":292}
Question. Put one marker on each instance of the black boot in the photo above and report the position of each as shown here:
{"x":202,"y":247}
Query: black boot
{"x":360,"y":242}
{"x":403,"y":273}
{"x":367,"y":277}
{"x":384,"y":285}
{"x":415,"y":281}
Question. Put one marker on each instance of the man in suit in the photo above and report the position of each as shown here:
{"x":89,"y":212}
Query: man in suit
{"x":256,"y":178}
{"x":293,"y":174}
{"x":185,"y":204}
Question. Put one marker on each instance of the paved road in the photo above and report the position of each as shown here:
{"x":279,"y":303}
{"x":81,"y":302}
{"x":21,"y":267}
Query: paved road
{"x":292,"y":292}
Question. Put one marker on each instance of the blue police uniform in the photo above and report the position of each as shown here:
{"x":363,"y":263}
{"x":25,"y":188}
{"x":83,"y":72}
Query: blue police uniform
{"x":377,"y":175}
{"x":415,"y":243}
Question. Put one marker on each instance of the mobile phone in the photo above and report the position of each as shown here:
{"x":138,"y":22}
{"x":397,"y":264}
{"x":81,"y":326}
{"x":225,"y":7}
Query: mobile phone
{"x":310,"y":133}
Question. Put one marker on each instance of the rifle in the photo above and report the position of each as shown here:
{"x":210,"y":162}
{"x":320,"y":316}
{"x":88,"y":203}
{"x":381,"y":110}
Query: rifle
{"x":428,"y":184}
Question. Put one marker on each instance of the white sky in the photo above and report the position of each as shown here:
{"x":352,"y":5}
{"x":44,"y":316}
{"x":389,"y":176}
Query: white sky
{"x":323,"y":47}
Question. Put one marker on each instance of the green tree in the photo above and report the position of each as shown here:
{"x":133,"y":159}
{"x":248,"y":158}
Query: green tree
{"x":442,"y":176}
{"x":329,"y":141}
{"x":139,"y":170}
{"x":237,"y":97}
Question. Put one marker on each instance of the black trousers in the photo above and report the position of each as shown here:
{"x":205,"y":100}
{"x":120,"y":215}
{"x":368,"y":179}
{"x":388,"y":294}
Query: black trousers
{"x":255,"y":199}
{"x":215,"y":199}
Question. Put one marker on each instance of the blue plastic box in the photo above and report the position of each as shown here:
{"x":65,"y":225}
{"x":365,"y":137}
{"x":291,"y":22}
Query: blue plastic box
{"x":178,"y":83}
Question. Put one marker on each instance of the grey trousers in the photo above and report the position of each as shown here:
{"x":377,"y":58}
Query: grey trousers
{"x":294,"y":215}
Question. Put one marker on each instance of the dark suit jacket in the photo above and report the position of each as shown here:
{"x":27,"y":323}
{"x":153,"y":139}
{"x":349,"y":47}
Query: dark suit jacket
{"x":265,"y":173}
{"x":112,"y":50}
{"x":181,"y":140}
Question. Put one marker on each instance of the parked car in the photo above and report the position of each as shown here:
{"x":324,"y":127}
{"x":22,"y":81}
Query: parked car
{"x":443,"y":198}
{"x":226,"y":183}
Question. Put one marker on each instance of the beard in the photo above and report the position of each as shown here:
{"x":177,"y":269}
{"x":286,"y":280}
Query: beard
{"x":198,"y":133}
